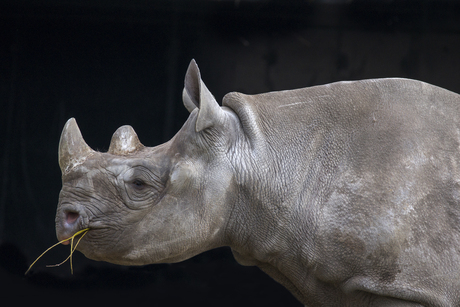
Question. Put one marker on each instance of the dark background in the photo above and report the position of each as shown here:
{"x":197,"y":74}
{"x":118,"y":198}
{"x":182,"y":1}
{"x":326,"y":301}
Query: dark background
{"x":110,"y":63}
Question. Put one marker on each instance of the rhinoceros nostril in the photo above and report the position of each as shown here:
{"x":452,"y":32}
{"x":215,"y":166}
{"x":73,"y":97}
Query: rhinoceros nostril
{"x":71,"y":217}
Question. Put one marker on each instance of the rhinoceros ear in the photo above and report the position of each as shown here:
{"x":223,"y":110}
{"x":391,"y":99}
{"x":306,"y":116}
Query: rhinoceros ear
{"x":197,"y":95}
{"x":188,"y":103}
{"x":124,"y":141}
{"x":72,"y":147}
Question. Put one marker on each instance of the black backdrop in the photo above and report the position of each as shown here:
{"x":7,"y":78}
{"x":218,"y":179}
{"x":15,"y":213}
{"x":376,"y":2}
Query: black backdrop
{"x":110,"y":63}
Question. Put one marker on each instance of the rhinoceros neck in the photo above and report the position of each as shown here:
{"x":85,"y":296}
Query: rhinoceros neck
{"x":279,"y":181}
{"x":294,"y":144}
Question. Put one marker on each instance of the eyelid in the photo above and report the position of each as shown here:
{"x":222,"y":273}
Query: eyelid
{"x":138,"y":197}
{"x":138,"y":182}
{"x":145,"y":175}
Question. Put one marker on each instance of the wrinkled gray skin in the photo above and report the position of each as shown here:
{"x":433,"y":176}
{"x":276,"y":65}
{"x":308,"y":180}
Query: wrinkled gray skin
{"x":348,"y":194}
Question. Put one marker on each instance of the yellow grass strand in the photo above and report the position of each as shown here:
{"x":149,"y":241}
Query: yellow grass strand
{"x":72,"y":249}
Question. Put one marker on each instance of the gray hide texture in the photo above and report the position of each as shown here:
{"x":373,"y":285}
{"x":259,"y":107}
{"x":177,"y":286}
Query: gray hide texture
{"x":348,"y":193}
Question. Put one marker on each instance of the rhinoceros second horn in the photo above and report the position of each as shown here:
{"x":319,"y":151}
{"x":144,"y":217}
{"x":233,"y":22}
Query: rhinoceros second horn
{"x":124,"y":141}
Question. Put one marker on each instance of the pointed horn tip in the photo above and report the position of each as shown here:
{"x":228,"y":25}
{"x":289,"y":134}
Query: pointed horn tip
{"x":70,"y":122}
{"x":73,"y":149}
{"x":124,"y":141}
{"x":69,"y":131}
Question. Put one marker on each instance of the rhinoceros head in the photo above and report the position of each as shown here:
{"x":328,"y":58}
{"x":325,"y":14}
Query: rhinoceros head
{"x":151,"y":204}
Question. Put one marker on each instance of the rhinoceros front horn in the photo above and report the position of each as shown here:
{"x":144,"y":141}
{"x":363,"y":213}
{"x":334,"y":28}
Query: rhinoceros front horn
{"x":72,"y":148}
{"x":124,"y":141}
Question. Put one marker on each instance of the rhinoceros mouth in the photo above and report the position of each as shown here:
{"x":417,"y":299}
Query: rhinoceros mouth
{"x":66,"y":240}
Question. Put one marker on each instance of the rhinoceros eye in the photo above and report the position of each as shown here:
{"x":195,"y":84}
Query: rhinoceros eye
{"x":138,"y":183}
{"x":141,"y":186}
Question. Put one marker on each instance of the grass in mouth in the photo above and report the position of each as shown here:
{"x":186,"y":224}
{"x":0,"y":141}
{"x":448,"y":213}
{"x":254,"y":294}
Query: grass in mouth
{"x":72,"y":250}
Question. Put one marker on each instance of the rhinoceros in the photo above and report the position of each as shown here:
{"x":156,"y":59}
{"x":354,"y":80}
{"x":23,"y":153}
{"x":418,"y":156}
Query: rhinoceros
{"x":348,"y":194}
